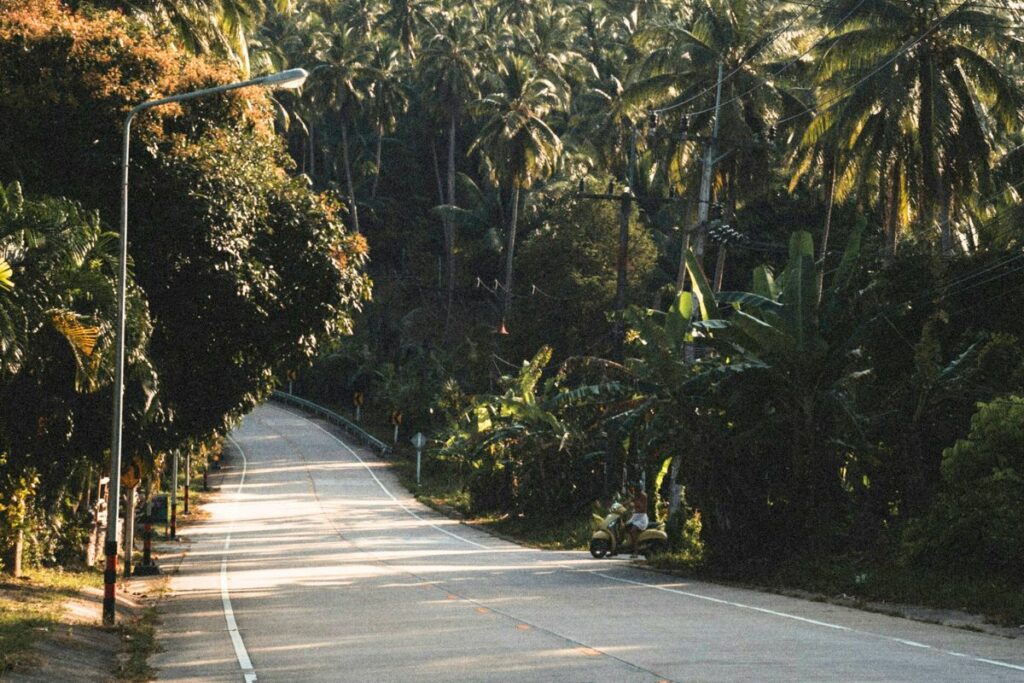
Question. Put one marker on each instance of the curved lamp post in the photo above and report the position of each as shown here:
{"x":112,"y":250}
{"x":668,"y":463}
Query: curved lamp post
{"x":293,"y":78}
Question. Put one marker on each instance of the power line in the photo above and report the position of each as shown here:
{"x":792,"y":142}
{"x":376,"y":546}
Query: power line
{"x":793,"y":62}
{"x":739,"y":67}
{"x":907,"y":46}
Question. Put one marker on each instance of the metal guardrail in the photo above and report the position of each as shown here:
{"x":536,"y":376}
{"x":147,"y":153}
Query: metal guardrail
{"x":367,"y":439}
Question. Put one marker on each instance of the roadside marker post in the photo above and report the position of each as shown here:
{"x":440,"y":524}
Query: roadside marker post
{"x":188,"y":479}
{"x":173,"y":533}
{"x":357,"y":401}
{"x":130,"y":479}
{"x":147,"y":567}
{"x":396,"y":419}
{"x":418,"y":442}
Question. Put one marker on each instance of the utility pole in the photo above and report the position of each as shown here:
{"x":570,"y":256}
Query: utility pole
{"x":704,"y":203}
{"x":622,"y":262}
{"x":625,"y":200}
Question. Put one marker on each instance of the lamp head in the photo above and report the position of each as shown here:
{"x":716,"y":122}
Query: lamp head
{"x":287,"y":80}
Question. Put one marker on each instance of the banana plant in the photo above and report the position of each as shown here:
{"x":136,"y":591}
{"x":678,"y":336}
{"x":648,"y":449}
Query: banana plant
{"x":789,"y":413}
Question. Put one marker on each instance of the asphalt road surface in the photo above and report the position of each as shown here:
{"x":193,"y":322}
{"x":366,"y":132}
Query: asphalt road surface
{"x":315,"y":565}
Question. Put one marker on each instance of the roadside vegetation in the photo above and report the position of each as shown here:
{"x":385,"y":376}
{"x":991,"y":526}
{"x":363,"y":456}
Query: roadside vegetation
{"x":32,"y":607}
{"x":763,"y":257}
{"x":218,"y":304}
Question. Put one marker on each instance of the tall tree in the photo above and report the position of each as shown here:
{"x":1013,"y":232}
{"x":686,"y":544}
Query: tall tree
{"x":518,"y":145}
{"x":919,"y":94}
{"x":388,"y":99}
{"x":449,"y":68}
{"x":344,"y":84}
{"x":684,"y":53}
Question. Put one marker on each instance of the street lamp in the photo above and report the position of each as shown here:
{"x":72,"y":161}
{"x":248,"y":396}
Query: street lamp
{"x":292,"y":78}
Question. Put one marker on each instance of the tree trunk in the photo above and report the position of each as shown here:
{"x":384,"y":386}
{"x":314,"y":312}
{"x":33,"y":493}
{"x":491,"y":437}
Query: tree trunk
{"x":622,"y":272}
{"x":312,"y":154}
{"x":723,"y":249}
{"x":506,"y":308}
{"x":675,"y":497}
{"x":945,"y":219}
{"x":933,"y":195}
{"x":830,"y":197}
{"x":377,"y":162}
{"x":449,"y":238}
{"x":437,"y":175}
{"x":353,"y":209}
{"x":129,"y":530}
{"x":888,"y":182}
{"x":12,"y":558}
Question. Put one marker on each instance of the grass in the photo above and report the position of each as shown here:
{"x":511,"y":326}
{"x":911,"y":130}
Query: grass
{"x":547,"y":534}
{"x":32,"y":606}
{"x":998,"y":599}
{"x":437,"y":488}
{"x":138,"y":639}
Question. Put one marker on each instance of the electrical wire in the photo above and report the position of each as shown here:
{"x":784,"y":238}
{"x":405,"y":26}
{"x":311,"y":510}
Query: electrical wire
{"x":907,"y":46}
{"x":739,"y":67}
{"x":786,"y":67}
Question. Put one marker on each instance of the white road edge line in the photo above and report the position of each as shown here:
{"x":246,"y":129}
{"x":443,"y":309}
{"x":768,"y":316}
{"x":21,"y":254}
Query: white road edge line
{"x":697,"y":596}
{"x":241,"y":654}
{"x":391,"y":495}
{"x":784,"y":615}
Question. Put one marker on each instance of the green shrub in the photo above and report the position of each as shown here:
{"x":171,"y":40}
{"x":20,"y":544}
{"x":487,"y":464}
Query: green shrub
{"x":977,"y":520}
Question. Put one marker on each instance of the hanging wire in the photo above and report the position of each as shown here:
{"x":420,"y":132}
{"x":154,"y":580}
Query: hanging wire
{"x":739,"y":67}
{"x":907,"y":46}
{"x":796,"y":60}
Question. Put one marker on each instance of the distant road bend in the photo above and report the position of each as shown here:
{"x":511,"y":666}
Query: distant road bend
{"x":315,"y":565}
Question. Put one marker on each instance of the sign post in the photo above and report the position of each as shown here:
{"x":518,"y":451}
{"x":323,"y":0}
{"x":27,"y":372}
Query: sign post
{"x":396,"y":419}
{"x":418,"y":442}
{"x":129,"y":480}
{"x":357,"y":401}
{"x":174,"y":496}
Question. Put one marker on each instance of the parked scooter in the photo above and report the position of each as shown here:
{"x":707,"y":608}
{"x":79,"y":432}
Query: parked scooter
{"x":611,"y":536}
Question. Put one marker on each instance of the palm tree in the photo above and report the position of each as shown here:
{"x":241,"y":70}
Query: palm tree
{"x":342,"y":88}
{"x":517,"y":144}
{"x":684,"y":53}
{"x":403,"y":20}
{"x":449,"y":67}
{"x":219,"y":27}
{"x":386,"y":73}
{"x":916,"y":95}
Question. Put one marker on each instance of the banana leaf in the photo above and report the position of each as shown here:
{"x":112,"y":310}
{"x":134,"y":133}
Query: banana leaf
{"x":677,"y":321}
{"x":748,"y":300}
{"x":800,"y":290}
{"x":702,"y":289}
{"x":764,"y":283}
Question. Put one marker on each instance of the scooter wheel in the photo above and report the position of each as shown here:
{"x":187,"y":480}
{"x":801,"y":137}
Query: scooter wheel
{"x":600,"y":547}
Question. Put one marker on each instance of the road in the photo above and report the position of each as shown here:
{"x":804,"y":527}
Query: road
{"x":315,"y":565}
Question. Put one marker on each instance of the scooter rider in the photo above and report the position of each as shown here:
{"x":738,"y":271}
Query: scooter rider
{"x":638,"y":522}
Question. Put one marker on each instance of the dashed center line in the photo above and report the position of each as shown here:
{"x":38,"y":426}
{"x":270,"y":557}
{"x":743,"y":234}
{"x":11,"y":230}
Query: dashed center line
{"x":698,"y":596}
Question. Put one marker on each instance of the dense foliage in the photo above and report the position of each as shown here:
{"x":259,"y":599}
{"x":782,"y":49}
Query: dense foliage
{"x":866,"y":166}
{"x":764,"y":256}
{"x":239,"y":273}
